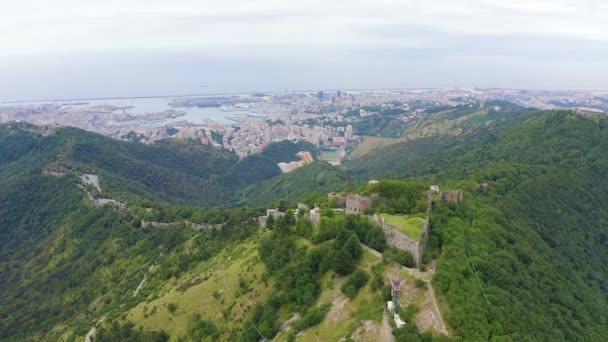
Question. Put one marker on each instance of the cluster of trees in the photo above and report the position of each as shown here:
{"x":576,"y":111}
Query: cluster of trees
{"x":313,"y":317}
{"x":201,"y":330}
{"x":127,"y":332}
{"x":298,"y":271}
{"x":162,"y":212}
{"x":368,"y":233}
{"x":399,"y":197}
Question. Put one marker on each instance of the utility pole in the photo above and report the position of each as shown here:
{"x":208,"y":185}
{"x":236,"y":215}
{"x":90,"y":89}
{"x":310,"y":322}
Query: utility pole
{"x":396,"y":284}
{"x":350,"y":182}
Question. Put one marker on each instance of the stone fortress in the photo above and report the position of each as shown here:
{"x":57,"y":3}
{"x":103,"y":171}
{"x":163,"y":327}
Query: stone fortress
{"x":356,"y":204}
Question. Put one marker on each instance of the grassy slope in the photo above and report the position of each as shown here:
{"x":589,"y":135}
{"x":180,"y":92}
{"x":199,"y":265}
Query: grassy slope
{"x":347,"y":315}
{"x":369,"y":144}
{"x":430,"y":135}
{"x":450,"y":122}
{"x":411,"y":226}
{"x":192,"y":293}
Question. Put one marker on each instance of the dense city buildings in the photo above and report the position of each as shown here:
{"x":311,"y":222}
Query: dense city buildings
{"x":247,"y":123}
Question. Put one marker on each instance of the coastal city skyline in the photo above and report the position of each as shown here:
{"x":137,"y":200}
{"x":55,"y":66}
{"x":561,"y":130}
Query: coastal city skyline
{"x":246,"y":124}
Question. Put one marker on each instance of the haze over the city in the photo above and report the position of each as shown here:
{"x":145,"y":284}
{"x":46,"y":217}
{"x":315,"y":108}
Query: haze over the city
{"x":83,"y":49}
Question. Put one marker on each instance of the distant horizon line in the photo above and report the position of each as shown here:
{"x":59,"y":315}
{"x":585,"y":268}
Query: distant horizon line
{"x":294,"y":91}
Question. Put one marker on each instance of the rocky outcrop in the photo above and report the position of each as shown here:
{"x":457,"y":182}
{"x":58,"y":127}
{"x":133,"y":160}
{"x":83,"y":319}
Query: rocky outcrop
{"x":89,"y":179}
{"x":100,"y":202}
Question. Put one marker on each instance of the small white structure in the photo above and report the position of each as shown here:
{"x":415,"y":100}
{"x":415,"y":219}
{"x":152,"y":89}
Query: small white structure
{"x":372,"y":182}
{"x":434,"y":189}
{"x":390,"y":306}
{"x":398,"y":321}
{"x":315,"y":216}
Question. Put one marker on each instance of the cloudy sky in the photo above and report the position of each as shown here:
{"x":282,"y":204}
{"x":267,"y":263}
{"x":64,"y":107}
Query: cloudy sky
{"x":84,"y":48}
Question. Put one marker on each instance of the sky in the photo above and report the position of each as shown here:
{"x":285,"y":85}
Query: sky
{"x":65,"y":49}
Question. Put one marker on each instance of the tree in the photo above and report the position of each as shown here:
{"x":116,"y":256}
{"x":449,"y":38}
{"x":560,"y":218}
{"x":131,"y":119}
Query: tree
{"x":356,"y":281}
{"x":353,"y":247}
{"x":375,"y":239}
{"x":343,"y":262}
{"x":201,"y":330}
{"x":270,"y":222}
{"x":342,"y":237}
{"x":404,"y":258}
{"x":282,"y":207}
{"x":289,"y":218}
{"x":304,"y":228}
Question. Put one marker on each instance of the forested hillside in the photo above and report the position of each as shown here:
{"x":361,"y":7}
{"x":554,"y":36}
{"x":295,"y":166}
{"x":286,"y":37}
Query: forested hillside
{"x":536,"y":235}
{"x":263,"y":166}
{"x":176,"y":171}
{"x":65,"y":264}
{"x":312,"y":179}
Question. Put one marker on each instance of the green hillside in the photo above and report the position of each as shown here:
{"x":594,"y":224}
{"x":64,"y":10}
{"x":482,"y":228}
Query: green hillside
{"x":263,"y":166}
{"x":317,"y":178}
{"x":538,"y":243}
{"x":176,"y":171}
{"x":523,"y":257}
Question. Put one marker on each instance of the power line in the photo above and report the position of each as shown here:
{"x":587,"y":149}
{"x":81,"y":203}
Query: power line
{"x":240,"y":306}
{"x":471,"y":261}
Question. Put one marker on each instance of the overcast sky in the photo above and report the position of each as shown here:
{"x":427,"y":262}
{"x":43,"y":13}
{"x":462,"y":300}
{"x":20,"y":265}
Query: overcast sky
{"x":84,"y":48}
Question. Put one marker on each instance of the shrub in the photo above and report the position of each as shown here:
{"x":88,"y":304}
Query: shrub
{"x":243,"y":285}
{"x":420,"y":284}
{"x":199,"y":329}
{"x":312,"y":317}
{"x":356,"y":282}
{"x":404,"y":258}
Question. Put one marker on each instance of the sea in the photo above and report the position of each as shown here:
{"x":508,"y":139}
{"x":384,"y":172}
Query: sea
{"x":143,"y":105}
